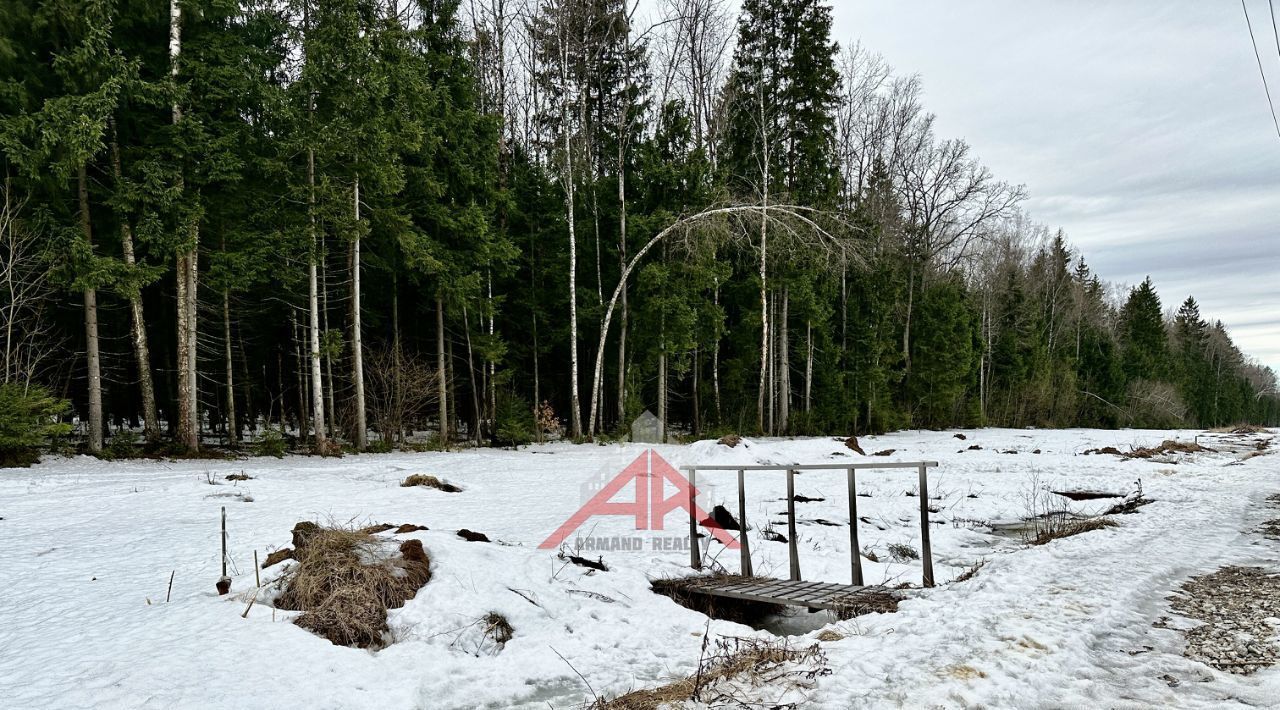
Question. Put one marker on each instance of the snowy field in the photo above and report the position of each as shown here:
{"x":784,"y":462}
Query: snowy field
{"x":89,"y":546}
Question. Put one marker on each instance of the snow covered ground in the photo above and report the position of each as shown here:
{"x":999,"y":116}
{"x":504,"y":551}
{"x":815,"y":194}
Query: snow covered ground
{"x":88,"y":548}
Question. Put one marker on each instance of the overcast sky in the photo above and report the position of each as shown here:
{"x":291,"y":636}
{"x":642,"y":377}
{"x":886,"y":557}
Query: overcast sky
{"x":1141,"y":128}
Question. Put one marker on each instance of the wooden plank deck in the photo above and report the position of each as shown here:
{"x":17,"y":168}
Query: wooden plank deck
{"x":814,"y":595}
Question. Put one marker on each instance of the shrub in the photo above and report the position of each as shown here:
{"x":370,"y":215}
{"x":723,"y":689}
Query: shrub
{"x":122,"y":445}
{"x":900,"y":552}
{"x":513,"y":420}
{"x":27,"y":421}
{"x":271,"y":443}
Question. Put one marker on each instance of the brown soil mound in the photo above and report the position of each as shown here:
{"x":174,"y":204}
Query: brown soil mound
{"x":1168,"y":446}
{"x":419,"y":479}
{"x":472,"y":536}
{"x":345,"y":580}
{"x":730,"y":440}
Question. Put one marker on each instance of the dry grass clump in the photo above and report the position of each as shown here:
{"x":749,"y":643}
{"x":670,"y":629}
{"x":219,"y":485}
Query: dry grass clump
{"x":728,"y":675}
{"x":419,"y":479}
{"x":871,"y":600}
{"x":970,"y":573}
{"x":498,"y":628}
{"x":1055,"y":529}
{"x":743,"y":611}
{"x":852,"y":444}
{"x":345,"y":580}
{"x":1168,"y":446}
{"x":730,"y":440}
{"x":242,"y":476}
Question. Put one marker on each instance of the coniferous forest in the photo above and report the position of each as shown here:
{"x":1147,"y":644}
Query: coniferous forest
{"x":233,"y":221}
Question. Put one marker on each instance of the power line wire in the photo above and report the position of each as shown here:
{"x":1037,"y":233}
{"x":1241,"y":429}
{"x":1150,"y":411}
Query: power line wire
{"x":1258,"y":56}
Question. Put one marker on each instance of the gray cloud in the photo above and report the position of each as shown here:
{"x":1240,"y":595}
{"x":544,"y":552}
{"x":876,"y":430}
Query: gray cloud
{"x":1140,"y":128}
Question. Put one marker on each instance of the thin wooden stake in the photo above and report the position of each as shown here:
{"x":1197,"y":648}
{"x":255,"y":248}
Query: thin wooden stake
{"x":252,"y":599}
{"x":745,"y":565}
{"x":855,"y":550}
{"x":926,"y":552}
{"x":792,"y":550}
{"x":170,"y":592}
{"x":257,"y":579}
{"x":224,"y":541}
{"x":695,"y":557}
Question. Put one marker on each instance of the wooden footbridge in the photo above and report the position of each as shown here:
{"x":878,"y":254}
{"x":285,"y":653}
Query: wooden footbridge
{"x":795,"y":591}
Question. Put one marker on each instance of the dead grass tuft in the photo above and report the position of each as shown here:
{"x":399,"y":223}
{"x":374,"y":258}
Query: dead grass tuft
{"x":345,"y":580}
{"x":419,"y":479}
{"x":852,"y":444}
{"x":830,"y":636}
{"x":970,"y":573}
{"x":498,"y":628}
{"x":729,"y":672}
{"x":1055,"y":529}
{"x":730,"y":440}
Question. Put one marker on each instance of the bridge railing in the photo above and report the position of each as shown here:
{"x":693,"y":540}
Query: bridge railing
{"x":850,"y":469}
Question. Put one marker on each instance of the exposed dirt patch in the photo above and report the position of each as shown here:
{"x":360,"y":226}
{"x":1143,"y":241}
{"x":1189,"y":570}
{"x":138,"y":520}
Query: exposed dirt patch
{"x":884,"y":452}
{"x":419,"y":479}
{"x":472,"y":536}
{"x":852,"y":444}
{"x":242,"y":476}
{"x":278,"y":556}
{"x":1087,"y":495}
{"x":730,"y":440}
{"x":1270,"y":529}
{"x":1236,"y":606}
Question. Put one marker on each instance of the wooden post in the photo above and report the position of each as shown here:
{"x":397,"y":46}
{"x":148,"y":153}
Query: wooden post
{"x":745,"y":566}
{"x":695,"y":558}
{"x":791,"y":525}
{"x":224,"y":541}
{"x":256,"y":577}
{"x":926,"y":553}
{"x":855,"y":550}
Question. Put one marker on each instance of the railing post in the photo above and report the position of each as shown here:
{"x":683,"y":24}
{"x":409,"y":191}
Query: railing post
{"x":695,"y":557}
{"x":791,"y":525}
{"x":855,"y":550}
{"x":926,"y":552}
{"x":743,"y":542}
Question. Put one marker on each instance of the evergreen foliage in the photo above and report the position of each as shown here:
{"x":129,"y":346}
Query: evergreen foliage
{"x":442,"y":151}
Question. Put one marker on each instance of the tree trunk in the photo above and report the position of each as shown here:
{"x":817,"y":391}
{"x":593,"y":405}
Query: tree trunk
{"x":138,"y":321}
{"x":357,"y":347}
{"x":304,"y":426}
{"x":784,"y":367}
{"x":715,"y":360}
{"x":92,"y":358}
{"x":233,"y":432}
{"x":187,"y":269}
{"x":330,"y":410}
{"x":808,"y":367}
{"x":662,"y":389}
{"x":317,"y":381}
{"x":764,"y":313}
{"x":471,"y":375}
{"x":440,"y":372}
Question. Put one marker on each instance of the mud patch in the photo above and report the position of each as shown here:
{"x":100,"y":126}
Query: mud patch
{"x":1238,"y":608}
